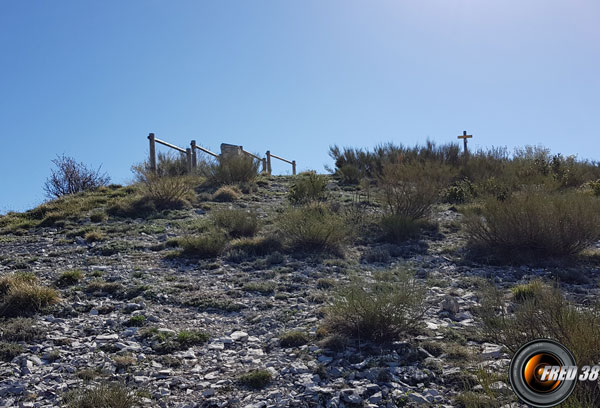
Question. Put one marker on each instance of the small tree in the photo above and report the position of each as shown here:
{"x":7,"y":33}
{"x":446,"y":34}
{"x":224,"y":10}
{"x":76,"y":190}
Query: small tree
{"x":71,"y":177}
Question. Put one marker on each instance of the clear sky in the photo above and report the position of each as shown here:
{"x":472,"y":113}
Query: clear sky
{"x":91,"y":79}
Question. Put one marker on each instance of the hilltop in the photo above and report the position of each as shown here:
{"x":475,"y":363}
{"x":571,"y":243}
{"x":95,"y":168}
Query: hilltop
{"x":276,"y":291}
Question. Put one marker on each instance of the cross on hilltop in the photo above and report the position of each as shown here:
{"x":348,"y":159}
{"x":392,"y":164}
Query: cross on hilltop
{"x":464,"y":137}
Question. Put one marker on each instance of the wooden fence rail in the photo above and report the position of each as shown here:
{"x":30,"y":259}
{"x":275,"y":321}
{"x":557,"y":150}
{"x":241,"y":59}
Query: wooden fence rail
{"x":192,"y":159}
{"x":269,"y":155}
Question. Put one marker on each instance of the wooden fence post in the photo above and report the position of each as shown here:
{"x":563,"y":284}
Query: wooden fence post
{"x":294,"y":167}
{"x":264,"y":163}
{"x":152,"y":153}
{"x":188,"y":154}
{"x":194,"y":158}
{"x":269,"y":162}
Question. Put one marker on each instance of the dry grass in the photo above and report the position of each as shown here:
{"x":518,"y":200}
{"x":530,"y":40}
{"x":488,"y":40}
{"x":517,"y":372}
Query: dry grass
{"x":381,"y":309}
{"x":536,"y":223}
{"x":21,"y":295}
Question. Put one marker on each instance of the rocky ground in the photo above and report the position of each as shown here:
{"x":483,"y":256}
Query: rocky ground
{"x":245,"y":305}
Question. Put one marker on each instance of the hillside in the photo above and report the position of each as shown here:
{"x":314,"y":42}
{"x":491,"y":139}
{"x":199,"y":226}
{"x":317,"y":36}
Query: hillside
{"x":141,"y":306}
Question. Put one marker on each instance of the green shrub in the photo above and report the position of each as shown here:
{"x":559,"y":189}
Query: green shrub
{"x":381,"y":309}
{"x":314,"y":228}
{"x":227,"y":194}
{"x":537,"y":223}
{"x":8,"y":351}
{"x":460,"y":192}
{"x":99,"y":286}
{"x":410,"y":190}
{"x":233,"y":169}
{"x":68,"y":278}
{"x":167,"y":193}
{"x":136,"y":321}
{"x":349,"y":174}
{"x":188,"y":338}
{"x":595,"y":187}
{"x":307,"y":187}
{"x":527,"y":291}
{"x":237,"y":223}
{"x":257,"y":246}
{"x":19,"y":329}
{"x":102,"y":396}
{"x":21,"y":295}
{"x":94,"y":236}
{"x":545,"y":313}
{"x":294,"y":338}
{"x":132,"y":207}
{"x":398,"y":228}
{"x":207,"y":245}
{"x":256,"y":379}
{"x":98,"y":216}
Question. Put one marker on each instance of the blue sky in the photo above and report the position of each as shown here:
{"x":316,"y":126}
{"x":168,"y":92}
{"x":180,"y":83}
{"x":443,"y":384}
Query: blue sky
{"x":91,"y":79}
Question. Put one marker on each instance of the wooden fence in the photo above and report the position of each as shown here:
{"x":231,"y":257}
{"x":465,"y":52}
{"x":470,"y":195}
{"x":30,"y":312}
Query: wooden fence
{"x":226,"y":150}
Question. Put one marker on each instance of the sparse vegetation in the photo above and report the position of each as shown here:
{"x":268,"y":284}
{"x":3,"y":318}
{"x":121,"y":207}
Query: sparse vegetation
{"x":381,"y":309}
{"x":536,"y":223}
{"x":227,"y":194}
{"x":94,"y":236}
{"x":314,"y":228}
{"x":294,"y":338}
{"x":21,"y":295}
{"x":257,"y":246}
{"x":167,"y":193}
{"x":70,"y":277}
{"x":238,"y":223}
{"x":207,"y":245}
{"x":307,"y":187}
{"x":8,"y":351}
{"x":19,"y":329}
{"x":233,"y":169}
{"x":102,"y":396}
{"x":71,"y":177}
{"x":256,"y":379}
{"x":544,"y":313}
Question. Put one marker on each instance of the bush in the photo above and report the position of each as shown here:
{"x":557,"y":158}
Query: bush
{"x":544,"y":313}
{"x":410,"y":190}
{"x":207,"y":245}
{"x":19,"y":329}
{"x":94,"y":236}
{"x":257,"y":246}
{"x":294,"y":338}
{"x":71,"y":177}
{"x":233,"y":169}
{"x":256,"y":379}
{"x":132,"y":207}
{"x":398,"y":228}
{"x":8,"y":351}
{"x":68,"y":278}
{"x":102,"y":396}
{"x":595,"y":187}
{"x":307,"y":187}
{"x":349,"y":174}
{"x":167,"y":193}
{"x":314,"y":228}
{"x":537,"y":223}
{"x":98,"y":216}
{"x":381,"y":309}
{"x":227,"y":194}
{"x":188,"y":338}
{"x":237,"y":223}
{"x":167,"y":165}
{"x":21,"y":295}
